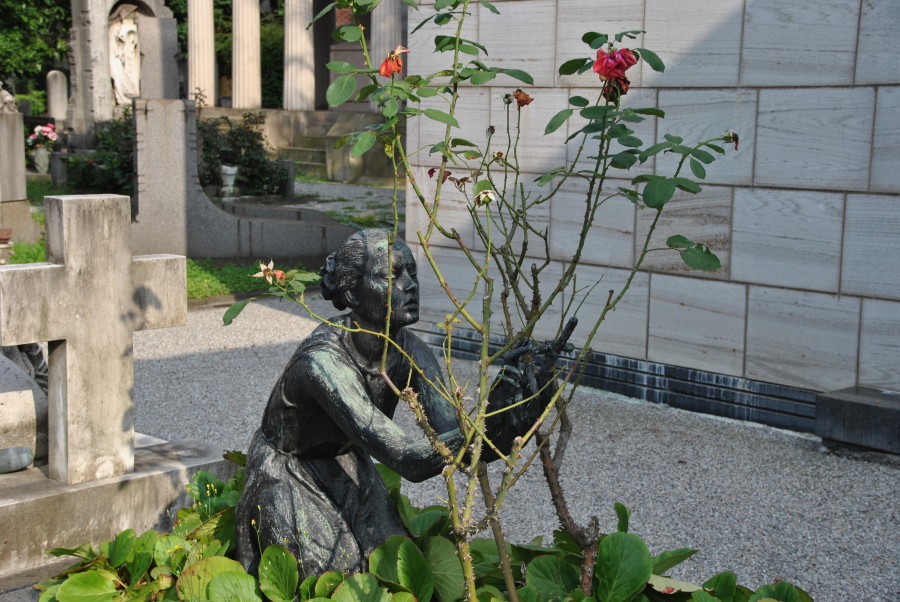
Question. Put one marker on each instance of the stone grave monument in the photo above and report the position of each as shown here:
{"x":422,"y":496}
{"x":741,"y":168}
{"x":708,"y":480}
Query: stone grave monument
{"x":15,"y":211}
{"x":87,"y":301}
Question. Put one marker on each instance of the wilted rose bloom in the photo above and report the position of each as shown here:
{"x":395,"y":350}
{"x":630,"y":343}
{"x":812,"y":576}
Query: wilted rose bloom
{"x":393,"y":63}
{"x":522,"y":99}
{"x":731,"y":136}
{"x":612,"y":65}
{"x":614,"y":88}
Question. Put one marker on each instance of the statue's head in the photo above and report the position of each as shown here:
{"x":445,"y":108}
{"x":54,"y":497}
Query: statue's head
{"x":356,"y":276}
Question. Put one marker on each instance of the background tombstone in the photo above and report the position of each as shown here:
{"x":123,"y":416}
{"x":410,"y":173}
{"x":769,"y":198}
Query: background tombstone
{"x":15,"y":210}
{"x":159,"y":57}
{"x":87,"y":301}
{"x":57,"y":97}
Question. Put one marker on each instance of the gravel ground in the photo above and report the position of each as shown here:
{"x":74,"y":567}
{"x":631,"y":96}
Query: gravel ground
{"x":765,"y":503}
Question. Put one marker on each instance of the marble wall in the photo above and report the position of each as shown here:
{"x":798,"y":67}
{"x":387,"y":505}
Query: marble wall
{"x":805,"y":216}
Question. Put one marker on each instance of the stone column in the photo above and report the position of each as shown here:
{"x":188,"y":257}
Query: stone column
{"x":299,"y":57}
{"x":57,"y":96}
{"x":387,"y":32}
{"x":245,"y":56}
{"x":201,"y":52}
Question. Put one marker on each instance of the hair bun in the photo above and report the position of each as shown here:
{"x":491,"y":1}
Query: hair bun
{"x":330,"y":284}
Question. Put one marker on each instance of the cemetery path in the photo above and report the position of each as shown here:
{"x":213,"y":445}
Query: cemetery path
{"x":763,"y":502}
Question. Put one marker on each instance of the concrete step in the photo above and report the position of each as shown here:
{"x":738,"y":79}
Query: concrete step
{"x":316,"y":170}
{"x":302,"y":155}
{"x":307,"y":140}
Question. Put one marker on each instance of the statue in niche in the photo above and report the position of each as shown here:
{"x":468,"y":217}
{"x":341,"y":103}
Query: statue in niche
{"x":311,"y":483}
{"x":124,"y":54}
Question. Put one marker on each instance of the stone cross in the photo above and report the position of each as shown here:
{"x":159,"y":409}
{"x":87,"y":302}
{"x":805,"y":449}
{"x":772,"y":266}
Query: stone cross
{"x":87,"y":301}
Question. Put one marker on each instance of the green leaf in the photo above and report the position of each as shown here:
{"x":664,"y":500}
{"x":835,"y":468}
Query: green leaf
{"x":342,"y":67}
{"x":688,"y":185}
{"x":520,"y":75}
{"x":361,"y":587}
{"x":572,"y":66}
{"x":631,"y":34}
{"x":624,"y":514}
{"x":673,"y":139}
{"x":442,"y":117}
{"x":651,"y":59}
{"x":700,"y":258}
{"x":658,"y":192}
{"x":650,"y":111}
{"x":702,"y":155}
{"x":623,"y":160}
{"x":391,"y":479}
{"x":529,"y":594}
{"x":390,"y":108}
{"x":545,"y":178}
{"x":121,"y":548}
{"x":489,"y":6}
{"x":445,"y":569}
{"x":340,"y":90}
{"x":195,"y":579}
{"x":488,"y":593}
{"x":414,"y":571}
{"x":87,"y":587}
{"x":557,"y":120}
{"x":278,"y":575}
{"x":425,"y":520}
{"x":482,"y":77}
{"x":234,"y":587}
{"x":327,"y":583}
{"x":630,"y":141}
{"x":363,"y":143}
{"x":677,"y":242}
{"x":596,"y":112}
{"x":308,"y":587}
{"x":697,"y":169}
{"x":783,"y":592}
{"x":347,"y":33}
{"x":662,"y":584}
{"x":653,"y":150}
{"x":723,"y":584}
{"x":84,"y":551}
{"x":551,"y":576}
{"x":623,"y":566}
{"x":716,"y":148}
{"x":663,"y":562}
{"x":702,"y":596}
{"x":681,"y":149}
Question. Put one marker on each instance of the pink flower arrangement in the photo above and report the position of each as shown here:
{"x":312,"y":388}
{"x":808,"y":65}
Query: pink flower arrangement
{"x":44,"y":135}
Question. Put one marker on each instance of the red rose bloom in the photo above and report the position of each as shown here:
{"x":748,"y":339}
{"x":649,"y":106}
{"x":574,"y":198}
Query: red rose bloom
{"x":393,"y":63}
{"x":612,"y":65}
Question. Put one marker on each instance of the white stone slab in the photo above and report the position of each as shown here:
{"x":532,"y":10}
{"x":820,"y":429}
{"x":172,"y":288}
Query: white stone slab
{"x":520,"y":37}
{"x":498,"y":221}
{"x":452,"y":212}
{"x":879,"y":344}
{"x":698,"y":115}
{"x":704,"y":218}
{"x":878,"y":49}
{"x":610,"y":239}
{"x":814,"y":138}
{"x":537,"y":153}
{"x":698,"y":40}
{"x":624,"y":330}
{"x":802,"y":339}
{"x":697,"y":323}
{"x":886,"y":143}
{"x":473,"y":115}
{"x":871,"y":246}
{"x":644,"y":130}
{"x":576,"y":17}
{"x":459,"y":275}
{"x":795,"y":44}
{"x":787,"y":238}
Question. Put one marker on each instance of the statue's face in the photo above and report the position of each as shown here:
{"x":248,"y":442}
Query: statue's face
{"x":372,"y":291}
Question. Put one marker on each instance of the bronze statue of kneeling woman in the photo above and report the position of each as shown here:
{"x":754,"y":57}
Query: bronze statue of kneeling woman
{"x":311,"y":482}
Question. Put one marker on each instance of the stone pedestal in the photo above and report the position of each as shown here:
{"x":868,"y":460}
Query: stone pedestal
{"x":57,"y":96}
{"x":299,"y":57}
{"x":245,"y":57}
{"x":201,"y":52}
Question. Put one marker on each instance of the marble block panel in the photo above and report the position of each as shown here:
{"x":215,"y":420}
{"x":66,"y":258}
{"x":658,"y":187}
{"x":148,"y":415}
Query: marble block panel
{"x":452,"y":212}
{"x":496,"y":218}
{"x":460,"y":276}
{"x":550,"y":323}
{"x":871,"y":246}
{"x":787,"y":238}
{"x":473,"y":114}
{"x":697,"y":323}
{"x":698,"y":115}
{"x":422,"y":58}
{"x":624,"y":330}
{"x":802,"y":339}
{"x":797,"y":44}
{"x":576,"y":17}
{"x":886,"y":143}
{"x":537,"y":153}
{"x":814,"y":138}
{"x":610,"y":240}
{"x":520,"y":37}
{"x":704,"y":218}
{"x":645,"y":131}
{"x":879,"y":344}
{"x":697,"y":51}
{"x":878,"y":48}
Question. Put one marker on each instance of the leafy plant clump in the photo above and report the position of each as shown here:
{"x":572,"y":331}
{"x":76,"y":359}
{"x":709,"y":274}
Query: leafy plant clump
{"x":110,"y":167}
{"x":223,"y":142}
{"x":26,"y":252}
{"x":206,"y":278}
{"x":196,"y":561}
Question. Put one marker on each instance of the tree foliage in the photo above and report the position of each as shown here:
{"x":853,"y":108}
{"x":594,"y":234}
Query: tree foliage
{"x":32,"y":36}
